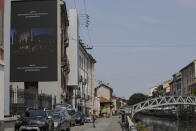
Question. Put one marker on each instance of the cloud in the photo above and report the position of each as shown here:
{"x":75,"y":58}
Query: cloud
{"x":187,"y":3}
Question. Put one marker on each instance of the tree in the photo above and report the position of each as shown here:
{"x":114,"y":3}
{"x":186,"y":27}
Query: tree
{"x":136,"y":98}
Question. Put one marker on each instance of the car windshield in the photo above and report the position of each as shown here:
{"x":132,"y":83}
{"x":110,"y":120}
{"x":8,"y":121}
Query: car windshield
{"x":34,"y":113}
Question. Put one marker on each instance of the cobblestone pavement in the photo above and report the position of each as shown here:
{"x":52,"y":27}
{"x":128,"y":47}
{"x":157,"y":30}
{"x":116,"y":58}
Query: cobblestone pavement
{"x":102,"y":124}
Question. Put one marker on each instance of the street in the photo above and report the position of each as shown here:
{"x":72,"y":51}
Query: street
{"x":102,"y":124}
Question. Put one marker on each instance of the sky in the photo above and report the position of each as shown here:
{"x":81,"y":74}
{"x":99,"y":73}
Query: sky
{"x":138,"y":43}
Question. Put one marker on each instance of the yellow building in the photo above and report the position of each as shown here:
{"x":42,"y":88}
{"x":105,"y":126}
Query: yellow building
{"x":166,"y":87}
{"x":114,"y":105}
{"x":105,"y":107}
{"x":153,"y":90}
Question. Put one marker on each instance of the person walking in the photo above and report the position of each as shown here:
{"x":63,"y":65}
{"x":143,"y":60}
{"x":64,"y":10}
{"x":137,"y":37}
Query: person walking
{"x":94,"y":118}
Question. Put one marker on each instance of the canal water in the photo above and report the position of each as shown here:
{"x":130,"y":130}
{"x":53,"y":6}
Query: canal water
{"x":165,"y":124}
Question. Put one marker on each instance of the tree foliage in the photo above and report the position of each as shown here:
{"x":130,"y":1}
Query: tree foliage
{"x":136,"y":98}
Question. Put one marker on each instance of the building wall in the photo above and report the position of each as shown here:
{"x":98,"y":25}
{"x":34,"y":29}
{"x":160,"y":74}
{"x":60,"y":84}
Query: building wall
{"x":73,"y":49}
{"x":106,"y":110}
{"x":176,"y":85}
{"x":114,"y":102}
{"x":91,"y":86}
{"x":7,"y":55}
{"x":97,"y":106}
{"x":104,"y":92}
{"x":1,"y":92}
{"x":152,"y":90}
{"x":81,"y":71}
{"x":188,"y":79}
{"x":1,"y":61}
{"x":166,"y":87}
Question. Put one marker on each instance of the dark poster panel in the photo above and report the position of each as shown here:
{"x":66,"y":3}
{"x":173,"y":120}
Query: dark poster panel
{"x":33,"y":49}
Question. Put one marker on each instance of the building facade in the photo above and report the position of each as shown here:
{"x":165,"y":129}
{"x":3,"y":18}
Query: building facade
{"x":86,"y":83}
{"x":81,"y":76}
{"x":96,"y":106}
{"x":167,"y":88}
{"x":114,"y":105}
{"x":1,"y":61}
{"x":189,"y":79}
{"x":176,"y":84}
{"x":153,"y":91}
{"x":104,"y":93}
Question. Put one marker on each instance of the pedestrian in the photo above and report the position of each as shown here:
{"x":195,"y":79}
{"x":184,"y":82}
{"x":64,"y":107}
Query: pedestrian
{"x":94,"y":118}
{"x":123,"y":117}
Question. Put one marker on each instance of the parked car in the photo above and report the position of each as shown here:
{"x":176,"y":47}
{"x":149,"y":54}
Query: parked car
{"x":35,"y":120}
{"x":72,"y":113}
{"x":79,"y":118}
{"x":88,"y":119}
{"x":61,"y":120}
{"x":67,"y":106}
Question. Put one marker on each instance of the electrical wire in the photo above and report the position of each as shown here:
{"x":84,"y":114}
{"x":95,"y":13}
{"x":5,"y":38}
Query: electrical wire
{"x":143,"y":45}
{"x":88,"y":32}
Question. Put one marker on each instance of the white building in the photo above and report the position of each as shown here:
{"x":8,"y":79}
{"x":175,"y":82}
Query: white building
{"x":81,"y":76}
{"x":96,"y":107}
{"x":86,"y":84}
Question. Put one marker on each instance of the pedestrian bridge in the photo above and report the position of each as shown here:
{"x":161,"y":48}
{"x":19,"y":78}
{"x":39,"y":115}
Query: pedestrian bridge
{"x":160,"y":101}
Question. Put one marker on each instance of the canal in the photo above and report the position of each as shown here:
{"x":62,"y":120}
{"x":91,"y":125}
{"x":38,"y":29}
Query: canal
{"x":165,"y":124}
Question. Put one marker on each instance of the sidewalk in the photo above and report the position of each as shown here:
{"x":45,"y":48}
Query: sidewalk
{"x":8,"y":124}
{"x":102,"y":124}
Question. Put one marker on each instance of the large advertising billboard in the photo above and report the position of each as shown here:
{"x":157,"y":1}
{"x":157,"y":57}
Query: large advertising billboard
{"x":33,"y":43}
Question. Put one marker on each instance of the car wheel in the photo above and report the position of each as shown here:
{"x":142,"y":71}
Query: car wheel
{"x":52,"y":128}
{"x":46,"y":129}
{"x":68,"y":129}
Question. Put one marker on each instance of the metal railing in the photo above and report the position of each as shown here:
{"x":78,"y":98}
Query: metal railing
{"x":20,"y":100}
{"x":160,"y":101}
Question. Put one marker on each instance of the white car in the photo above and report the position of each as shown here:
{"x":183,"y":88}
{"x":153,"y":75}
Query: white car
{"x":88,"y":119}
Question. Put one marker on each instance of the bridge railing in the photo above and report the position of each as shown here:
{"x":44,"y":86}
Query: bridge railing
{"x":160,"y":101}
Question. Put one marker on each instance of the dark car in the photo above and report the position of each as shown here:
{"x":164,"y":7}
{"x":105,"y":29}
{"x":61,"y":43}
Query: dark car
{"x":79,"y":118}
{"x":35,"y":120}
{"x":61,"y":120}
{"x":67,"y":106}
{"x":70,"y":110}
{"x":72,"y":113}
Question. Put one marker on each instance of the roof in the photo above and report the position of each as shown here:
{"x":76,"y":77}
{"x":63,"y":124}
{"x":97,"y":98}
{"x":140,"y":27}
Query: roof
{"x":104,"y":100}
{"x":103,"y":85}
{"x":84,"y":49}
{"x":188,"y":65}
{"x":113,"y":96}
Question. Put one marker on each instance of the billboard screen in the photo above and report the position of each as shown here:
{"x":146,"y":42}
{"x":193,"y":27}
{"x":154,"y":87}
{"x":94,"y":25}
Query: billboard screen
{"x":33,"y":43}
